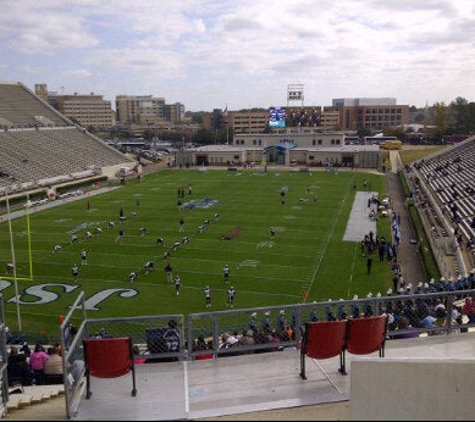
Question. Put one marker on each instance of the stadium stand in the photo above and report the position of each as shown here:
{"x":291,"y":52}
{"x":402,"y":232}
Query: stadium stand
{"x":41,"y":147}
{"x":444,"y":188}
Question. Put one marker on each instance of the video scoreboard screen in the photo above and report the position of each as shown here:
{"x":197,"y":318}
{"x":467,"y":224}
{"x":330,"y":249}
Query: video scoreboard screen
{"x":277,"y":117}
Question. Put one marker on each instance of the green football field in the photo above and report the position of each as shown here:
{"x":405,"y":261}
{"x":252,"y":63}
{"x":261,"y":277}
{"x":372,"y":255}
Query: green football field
{"x":306,"y":260}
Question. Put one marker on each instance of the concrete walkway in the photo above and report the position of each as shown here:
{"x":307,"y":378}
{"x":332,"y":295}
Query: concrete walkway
{"x":248,"y":387}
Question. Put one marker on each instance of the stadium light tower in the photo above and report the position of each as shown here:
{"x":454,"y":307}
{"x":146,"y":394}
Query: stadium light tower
{"x":295,"y":94}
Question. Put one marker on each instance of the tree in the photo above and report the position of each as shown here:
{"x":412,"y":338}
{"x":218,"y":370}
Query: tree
{"x":440,"y":120}
{"x":398,"y":132}
{"x":462,"y":116}
{"x":204,"y":137}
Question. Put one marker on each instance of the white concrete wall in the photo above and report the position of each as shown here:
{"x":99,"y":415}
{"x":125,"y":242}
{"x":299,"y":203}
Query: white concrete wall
{"x":412,"y":389}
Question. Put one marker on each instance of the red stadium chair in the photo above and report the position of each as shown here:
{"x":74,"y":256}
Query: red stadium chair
{"x":323,"y":340}
{"x":367,"y":335}
{"x":108,"y":358}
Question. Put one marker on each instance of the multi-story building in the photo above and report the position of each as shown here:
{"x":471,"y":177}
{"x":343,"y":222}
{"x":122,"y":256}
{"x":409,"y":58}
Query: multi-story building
{"x":86,"y":110}
{"x":249,"y":121}
{"x":175,"y":112}
{"x":139,"y":109}
{"x":146,"y":110}
{"x":371,"y":114}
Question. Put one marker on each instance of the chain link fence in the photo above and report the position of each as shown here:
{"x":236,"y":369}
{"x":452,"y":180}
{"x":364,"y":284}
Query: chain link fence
{"x":212,"y":335}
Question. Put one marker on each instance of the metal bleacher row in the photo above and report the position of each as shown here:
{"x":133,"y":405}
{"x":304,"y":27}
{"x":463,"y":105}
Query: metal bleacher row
{"x":449,"y":177}
{"x":40,"y":147}
{"x":20,"y":107}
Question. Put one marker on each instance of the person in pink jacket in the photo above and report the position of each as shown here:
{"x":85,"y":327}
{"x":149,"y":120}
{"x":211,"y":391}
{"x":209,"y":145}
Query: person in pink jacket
{"x":37,"y":363}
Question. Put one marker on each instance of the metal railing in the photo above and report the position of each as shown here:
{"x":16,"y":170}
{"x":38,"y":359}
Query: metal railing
{"x":214,"y":335}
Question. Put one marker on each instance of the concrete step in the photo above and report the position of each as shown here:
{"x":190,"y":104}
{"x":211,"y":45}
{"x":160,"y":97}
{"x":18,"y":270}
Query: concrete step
{"x":32,"y":395}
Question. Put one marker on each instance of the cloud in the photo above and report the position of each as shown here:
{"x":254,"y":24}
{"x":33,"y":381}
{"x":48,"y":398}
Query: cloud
{"x":206,"y":53}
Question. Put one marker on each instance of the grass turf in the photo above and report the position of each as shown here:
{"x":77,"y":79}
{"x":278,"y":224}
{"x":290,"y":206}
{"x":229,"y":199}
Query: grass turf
{"x":306,"y":259}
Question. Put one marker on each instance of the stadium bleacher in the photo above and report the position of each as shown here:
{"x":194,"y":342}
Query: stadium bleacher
{"x":448,"y":177}
{"x":41,"y":147}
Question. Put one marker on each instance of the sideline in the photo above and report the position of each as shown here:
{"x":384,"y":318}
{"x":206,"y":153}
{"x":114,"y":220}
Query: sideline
{"x":359,"y":223}
{"x":55,"y":203}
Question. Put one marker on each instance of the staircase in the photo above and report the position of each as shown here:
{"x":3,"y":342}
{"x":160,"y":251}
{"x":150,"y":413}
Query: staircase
{"x":32,"y":395}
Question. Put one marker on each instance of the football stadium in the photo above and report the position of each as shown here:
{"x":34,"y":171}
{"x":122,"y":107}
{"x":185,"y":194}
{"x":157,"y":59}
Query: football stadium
{"x":199,"y":263}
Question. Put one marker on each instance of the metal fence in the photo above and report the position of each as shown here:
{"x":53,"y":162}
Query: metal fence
{"x":157,"y":338}
{"x":266,"y":329}
{"x":213,"y":335}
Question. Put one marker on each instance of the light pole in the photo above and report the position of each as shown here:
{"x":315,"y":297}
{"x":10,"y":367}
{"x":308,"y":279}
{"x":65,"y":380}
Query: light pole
{"x":15,"y":281}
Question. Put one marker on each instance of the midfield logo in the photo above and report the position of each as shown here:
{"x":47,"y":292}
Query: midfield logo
{"x":43,"y":294}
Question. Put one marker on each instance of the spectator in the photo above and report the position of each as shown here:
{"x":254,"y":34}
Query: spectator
{"x":53,"y":367}
{"x":25,"y":349}
{"x":247,"y":339}
{"x":312,"y":316}
{"x":253,"y":323}
{"x":172,"y":337}
{"x":440,"y":319}
{"x":76,"y":371}
{"x":19,"y":371}
{"x":427,"y":320}
{"x":201,"y":345}
{"x":37,"y":363}
{"x":403,"y":329}
{"x":12,"y":355}
{"x":469,"y":309}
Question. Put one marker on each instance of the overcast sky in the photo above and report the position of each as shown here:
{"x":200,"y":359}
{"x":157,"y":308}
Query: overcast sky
{"x":241,"y":53}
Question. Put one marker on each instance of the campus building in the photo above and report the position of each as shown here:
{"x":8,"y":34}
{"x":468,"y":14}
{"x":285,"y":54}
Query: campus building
{"x":346,"y":114}
{"x":86,"y":110}
{"x":146,"y":109}
{"x":371,"y":114}
{"x":289,"y":149}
